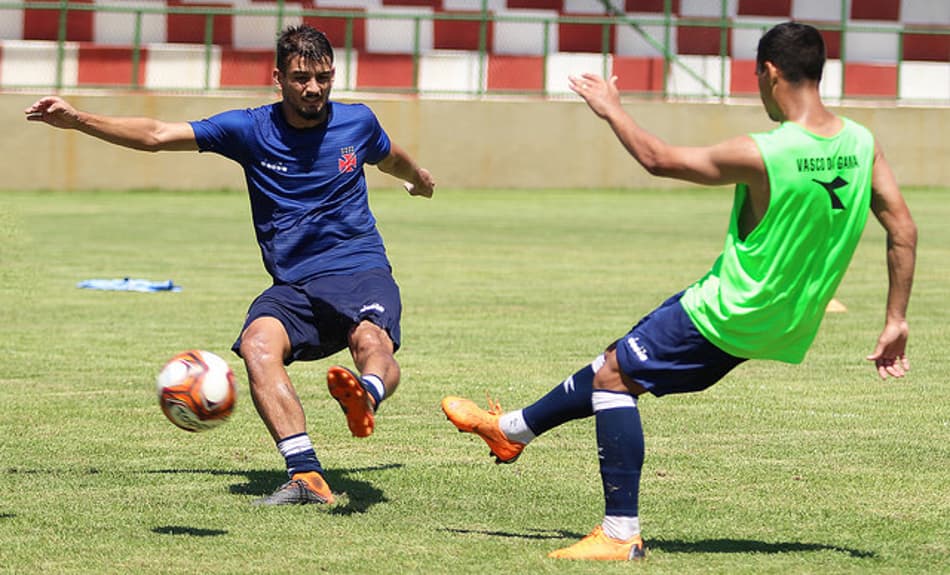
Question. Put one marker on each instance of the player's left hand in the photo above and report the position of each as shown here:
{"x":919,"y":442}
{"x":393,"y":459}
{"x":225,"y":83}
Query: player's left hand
{"x":601,"y":95}
{"x":890,"y":353}
{"x":422,"y":185}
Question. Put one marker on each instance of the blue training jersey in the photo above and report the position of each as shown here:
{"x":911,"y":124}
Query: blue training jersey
{"x":307,"y":188}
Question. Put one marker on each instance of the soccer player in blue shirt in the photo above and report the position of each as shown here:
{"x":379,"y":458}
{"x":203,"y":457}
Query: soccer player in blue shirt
{"x":332,"y":286}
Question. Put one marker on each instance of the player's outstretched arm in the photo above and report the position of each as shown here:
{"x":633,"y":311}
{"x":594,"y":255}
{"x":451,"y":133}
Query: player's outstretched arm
{"x":890,"y":209}
{"x":399,"y":164}
{"x":137,"y":133}
{"x":734,"y":160}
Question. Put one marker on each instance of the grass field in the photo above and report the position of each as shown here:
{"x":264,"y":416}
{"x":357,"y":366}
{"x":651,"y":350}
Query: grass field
{"x":816,"y":468}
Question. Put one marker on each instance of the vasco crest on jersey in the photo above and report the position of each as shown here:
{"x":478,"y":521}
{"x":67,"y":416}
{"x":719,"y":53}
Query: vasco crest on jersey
{"x":347,"y":161}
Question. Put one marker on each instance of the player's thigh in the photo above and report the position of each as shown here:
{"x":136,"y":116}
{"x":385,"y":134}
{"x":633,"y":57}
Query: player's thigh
{"x":665,"y":353}
{"x":370,"y":296}
{"x":307,"y":334}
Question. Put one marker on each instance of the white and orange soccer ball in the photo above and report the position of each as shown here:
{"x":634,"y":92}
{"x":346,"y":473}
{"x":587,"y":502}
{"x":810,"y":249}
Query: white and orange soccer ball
{"x":196,"y":390}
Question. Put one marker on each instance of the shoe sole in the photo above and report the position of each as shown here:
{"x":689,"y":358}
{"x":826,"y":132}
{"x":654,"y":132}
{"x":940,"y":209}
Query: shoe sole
{"x":267,"y":502}
{"x":296,"y":498}
{"x":346,"y":389}
{"x":635,"y":553}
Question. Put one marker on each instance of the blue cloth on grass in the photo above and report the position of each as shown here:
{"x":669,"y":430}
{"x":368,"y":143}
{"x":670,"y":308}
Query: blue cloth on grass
{"x":128,"y":284}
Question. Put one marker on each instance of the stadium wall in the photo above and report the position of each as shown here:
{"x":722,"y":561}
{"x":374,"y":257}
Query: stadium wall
{"x":529,"y":144}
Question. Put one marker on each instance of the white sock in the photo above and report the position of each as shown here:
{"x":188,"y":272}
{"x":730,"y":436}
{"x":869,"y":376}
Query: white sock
{"x":621,"y":527}
{"x":295,"y":444}
{"x":376,"y":383}
{"x":514,"y":427}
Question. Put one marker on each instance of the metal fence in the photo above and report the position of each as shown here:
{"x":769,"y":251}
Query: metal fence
{"x":64,"y":45}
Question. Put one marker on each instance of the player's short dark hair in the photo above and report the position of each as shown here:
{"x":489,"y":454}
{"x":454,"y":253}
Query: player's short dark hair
{"x":304,"y":41}
{"x":796,"y":49}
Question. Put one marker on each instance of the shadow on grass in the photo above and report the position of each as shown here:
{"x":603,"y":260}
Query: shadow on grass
{"x":675,"y":546}
{"x":189,"y":531}
{"x":7,"y":515}
{"x":357,"y":495}
{"x":529,"y":534}
{"x":749,"y":546}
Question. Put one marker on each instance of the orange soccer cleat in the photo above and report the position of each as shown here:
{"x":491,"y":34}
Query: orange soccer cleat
{"x":470,"y":418}
{"x":356,"y":402}
{"x":302,"y":489}
{"x":597,"y":546}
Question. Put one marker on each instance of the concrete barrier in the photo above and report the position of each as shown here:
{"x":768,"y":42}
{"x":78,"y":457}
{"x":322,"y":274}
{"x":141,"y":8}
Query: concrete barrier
{"x":532,"y":144}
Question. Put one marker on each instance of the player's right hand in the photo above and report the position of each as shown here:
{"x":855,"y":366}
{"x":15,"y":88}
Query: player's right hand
{"x":54,"y":111}
{"x":601,"y":94}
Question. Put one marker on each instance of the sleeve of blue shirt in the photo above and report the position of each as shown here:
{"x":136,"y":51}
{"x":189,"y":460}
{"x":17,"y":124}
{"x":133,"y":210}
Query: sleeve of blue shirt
{"x":377,"y":144}
{"x":224,"y":133}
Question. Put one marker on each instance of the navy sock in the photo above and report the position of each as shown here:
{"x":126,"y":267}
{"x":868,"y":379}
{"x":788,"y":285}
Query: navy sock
{"x":569,"y":400}
{"x":299,"y":454}
{"x":620,"y":446}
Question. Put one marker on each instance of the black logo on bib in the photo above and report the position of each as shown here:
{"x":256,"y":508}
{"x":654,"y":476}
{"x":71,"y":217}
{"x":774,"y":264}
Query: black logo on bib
{"x":830,"y":187}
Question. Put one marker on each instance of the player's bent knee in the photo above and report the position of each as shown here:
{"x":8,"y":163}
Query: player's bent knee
{"x":609,"y":381}
{"x":609,"y":376}
{"x":367,"y":338}
{"x":264,"y":341}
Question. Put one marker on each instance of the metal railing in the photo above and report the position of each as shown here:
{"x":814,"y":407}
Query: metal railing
{"x":715,"y":88}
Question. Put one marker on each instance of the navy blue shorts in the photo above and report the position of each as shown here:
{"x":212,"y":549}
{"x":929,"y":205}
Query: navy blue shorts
{"x":319,"y":314}
{"x":665,"y":353}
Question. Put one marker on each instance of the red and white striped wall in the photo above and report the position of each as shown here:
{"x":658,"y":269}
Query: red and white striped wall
{"x":99,"y":49}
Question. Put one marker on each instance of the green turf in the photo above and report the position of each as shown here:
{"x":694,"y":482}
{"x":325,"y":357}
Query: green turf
{"x":817,"y":468}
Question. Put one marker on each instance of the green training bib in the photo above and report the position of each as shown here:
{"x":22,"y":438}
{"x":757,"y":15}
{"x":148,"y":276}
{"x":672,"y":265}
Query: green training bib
{"x":765,"y":296}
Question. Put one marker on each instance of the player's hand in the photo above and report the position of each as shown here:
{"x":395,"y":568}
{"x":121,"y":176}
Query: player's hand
{"x":54,"y":111}
{"x":890,"y":354}
{"x":422,"y":185}
{"x":601,"y":95}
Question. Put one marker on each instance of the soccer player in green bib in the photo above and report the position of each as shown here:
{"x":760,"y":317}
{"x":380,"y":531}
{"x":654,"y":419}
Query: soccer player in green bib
{"x":802,"y":195}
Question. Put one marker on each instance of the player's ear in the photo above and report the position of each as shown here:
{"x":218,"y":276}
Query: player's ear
{"x":771,"y":72}
{"x":276,"y":75}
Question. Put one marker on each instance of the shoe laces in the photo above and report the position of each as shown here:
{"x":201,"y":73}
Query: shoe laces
{"x":494,"y":407}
